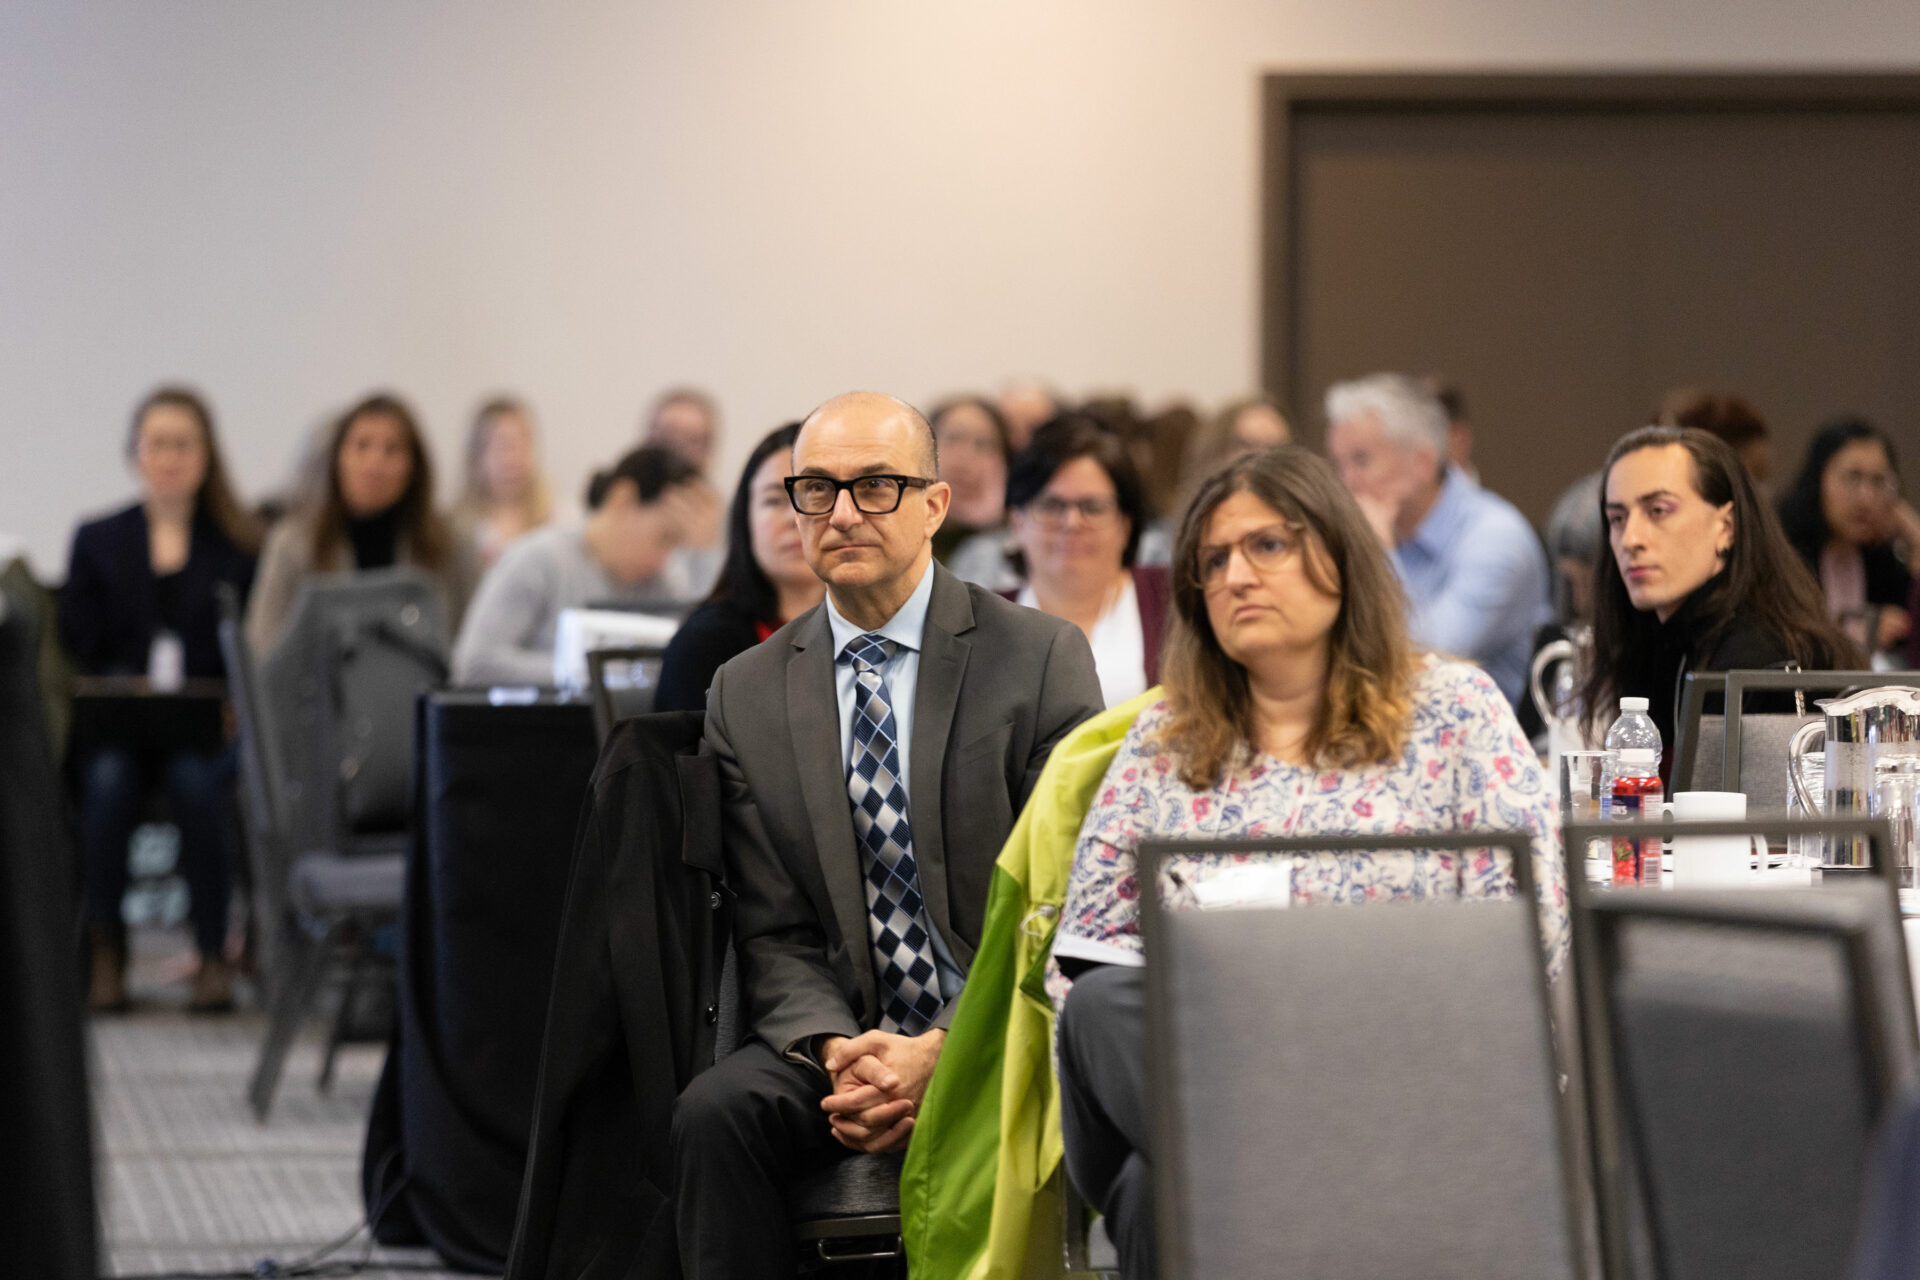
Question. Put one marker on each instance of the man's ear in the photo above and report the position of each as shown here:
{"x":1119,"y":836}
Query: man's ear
{"x":939,"y":499}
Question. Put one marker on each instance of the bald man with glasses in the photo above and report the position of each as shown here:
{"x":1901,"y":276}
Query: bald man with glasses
{"x":874,"y":754}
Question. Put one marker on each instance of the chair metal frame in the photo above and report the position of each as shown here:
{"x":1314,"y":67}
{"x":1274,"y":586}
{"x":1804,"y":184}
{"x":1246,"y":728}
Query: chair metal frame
{"x":1695,"y":687}
{"x":1161,"y":1067}
{"x":605,"y":714}
{"x":1740,"y":683}
{"x":1597,"y":917}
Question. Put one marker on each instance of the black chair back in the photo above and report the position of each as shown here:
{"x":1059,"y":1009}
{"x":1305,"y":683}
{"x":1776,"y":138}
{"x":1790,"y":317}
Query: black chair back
{"x":358,"y":651}
{"x":1743,"y":1046}
{"x":48,"y":1224}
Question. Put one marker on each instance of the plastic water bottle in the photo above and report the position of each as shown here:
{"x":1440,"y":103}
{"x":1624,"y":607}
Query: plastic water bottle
{"x":1632,"y":730}
{"x":1636,"y":798}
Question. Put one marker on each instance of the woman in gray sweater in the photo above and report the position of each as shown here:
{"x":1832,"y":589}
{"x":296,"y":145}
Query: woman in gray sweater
{"x":623,"y":554}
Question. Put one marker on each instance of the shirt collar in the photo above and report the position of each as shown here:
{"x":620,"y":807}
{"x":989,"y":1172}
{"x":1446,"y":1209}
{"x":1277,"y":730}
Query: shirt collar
{"x":904,"y":628}
{"x":1449,"y":512}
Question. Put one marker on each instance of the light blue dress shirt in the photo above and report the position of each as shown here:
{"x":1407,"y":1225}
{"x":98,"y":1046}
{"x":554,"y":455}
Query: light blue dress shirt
{"x":1477,"y":580}
{"x":901,"y":674}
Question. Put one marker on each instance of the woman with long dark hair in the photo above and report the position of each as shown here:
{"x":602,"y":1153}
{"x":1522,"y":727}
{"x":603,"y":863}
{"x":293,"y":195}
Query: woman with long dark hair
{"x":764,"y":584}
{"x":374,"y":509}
{"x":1700,"y":577}
{"x":141,"y":583}
{"x":1845,"y":516}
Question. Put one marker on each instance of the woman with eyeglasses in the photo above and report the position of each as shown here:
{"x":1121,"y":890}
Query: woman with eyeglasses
{"x":1294,"y":705}
{"x":1846,"y":518}
{"x":1076,"y":512}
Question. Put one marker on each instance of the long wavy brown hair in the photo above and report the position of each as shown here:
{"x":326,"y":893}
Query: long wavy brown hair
{"x":1368,"y":710}
{"x":424,"y":533}
{"x":216,"y":500}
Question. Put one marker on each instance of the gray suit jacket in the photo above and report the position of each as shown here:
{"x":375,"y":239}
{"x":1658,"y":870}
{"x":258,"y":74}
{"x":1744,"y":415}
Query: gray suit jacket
{"x":999,"y":685}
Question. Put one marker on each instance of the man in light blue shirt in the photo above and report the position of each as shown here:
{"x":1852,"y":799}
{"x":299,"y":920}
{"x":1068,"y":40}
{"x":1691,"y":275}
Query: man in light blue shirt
{"x":1473,"y":569}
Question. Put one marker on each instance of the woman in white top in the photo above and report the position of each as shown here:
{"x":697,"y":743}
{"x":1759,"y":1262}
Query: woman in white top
{"x":1075,"y":511}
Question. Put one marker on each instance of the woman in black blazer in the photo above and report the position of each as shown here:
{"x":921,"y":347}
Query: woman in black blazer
{"x":140,"y":599}
{"x":765,"y":584}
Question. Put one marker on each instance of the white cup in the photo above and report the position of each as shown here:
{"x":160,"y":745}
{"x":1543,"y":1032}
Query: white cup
{"x":1704,"y":861}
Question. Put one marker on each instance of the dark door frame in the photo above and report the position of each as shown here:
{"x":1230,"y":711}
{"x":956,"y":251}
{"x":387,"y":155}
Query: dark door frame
{"x":1286,"y":97}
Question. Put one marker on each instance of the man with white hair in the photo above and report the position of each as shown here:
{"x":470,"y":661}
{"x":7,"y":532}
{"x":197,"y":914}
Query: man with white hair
{"x":1473,"y":569}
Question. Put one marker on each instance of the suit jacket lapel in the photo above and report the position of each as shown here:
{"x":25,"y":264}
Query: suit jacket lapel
{"x":943,"y":664}
{"x":813,"y":720}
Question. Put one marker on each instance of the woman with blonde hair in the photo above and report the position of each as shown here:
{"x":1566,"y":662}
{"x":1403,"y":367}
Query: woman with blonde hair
{"x":1294,"y":704}
{"x":506,"y":492}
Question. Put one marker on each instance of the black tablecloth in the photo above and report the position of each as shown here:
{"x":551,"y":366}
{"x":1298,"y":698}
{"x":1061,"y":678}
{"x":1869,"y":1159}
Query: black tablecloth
{"x":500,"y":790}
{"x":47,"y":1223}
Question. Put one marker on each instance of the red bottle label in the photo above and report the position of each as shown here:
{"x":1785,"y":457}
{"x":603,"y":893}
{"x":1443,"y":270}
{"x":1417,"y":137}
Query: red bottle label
{"x":1631,"y":857}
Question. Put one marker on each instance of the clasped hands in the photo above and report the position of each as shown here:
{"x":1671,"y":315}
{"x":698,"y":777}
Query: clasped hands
{"x":878,"y":1082}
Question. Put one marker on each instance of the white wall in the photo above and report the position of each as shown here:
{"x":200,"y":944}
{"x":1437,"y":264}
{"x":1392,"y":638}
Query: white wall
{"x":290,"y":204}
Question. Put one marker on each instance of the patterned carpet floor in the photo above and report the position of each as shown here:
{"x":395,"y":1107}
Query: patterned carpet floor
{"x":190,"y":1183}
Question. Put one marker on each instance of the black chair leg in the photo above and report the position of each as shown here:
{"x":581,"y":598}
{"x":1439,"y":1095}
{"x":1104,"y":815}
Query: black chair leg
{"x":343,"y":1017}
{"x":304,"y":959}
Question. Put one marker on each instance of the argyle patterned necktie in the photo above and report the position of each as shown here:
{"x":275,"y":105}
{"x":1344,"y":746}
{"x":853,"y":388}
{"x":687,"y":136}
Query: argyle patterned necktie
{"x":896,"y":913}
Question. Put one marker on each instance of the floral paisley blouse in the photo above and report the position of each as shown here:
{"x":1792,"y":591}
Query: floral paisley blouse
{"x":1466,"y":765}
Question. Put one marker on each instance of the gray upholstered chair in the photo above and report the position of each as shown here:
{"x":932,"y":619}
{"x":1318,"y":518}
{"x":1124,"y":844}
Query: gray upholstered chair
{"x":1743,"y":1046}
{"x":315,"y":906}
{"x":1347,"y":1092}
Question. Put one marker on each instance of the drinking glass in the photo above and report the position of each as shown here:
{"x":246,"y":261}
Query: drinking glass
{"x":1896,"y":797}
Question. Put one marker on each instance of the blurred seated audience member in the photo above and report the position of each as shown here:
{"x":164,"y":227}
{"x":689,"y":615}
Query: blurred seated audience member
{"x":1076,"y":511}
{"x":141,"y":581}
{"x":1295,"y":705}
{"x":972,"y":439}
{"x":373,"y":509}
{"x":1025,"y":404}
{"x":1845,"y":516}
{"x":1243,"y":427}
{"x":1453,"y":402}
{"x":1473,"y":570}
{"x":1158,"y":447}
{"x":765,"y":584}
{"x":637,"y":514}
{"x":1700,"y":578}
{"x":687,"y":421}
{"x":1730,"y":417}
{"x":506,"y":491}
{"x":1913,"y":632}
{"x":1576,"y":539}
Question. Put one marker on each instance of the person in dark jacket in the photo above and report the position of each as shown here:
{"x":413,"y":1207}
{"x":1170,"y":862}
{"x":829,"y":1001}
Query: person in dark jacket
{"x":140,"y":599}
{"x":1846,"y":518}
{"x":1700,"y":578}
{"x":764,"y":584}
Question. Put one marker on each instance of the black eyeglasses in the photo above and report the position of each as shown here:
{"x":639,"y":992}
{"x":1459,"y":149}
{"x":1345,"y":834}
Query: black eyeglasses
{"x":872,"y":495}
